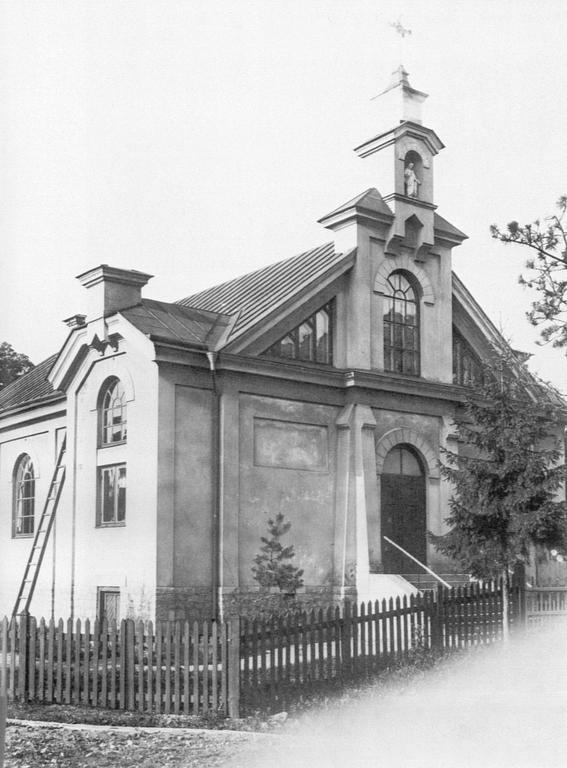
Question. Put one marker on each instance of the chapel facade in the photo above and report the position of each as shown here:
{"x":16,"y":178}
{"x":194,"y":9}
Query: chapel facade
{"x":162,"y":436}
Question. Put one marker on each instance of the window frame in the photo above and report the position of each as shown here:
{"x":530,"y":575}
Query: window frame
{"x":106,"y":391}
{"x":23,"y":464}
{"x":461,"y":351}
{"x":392,"y":328}
{"x":101,"y":593}
{"x":296,"y":341}
{"x":115,"y":522}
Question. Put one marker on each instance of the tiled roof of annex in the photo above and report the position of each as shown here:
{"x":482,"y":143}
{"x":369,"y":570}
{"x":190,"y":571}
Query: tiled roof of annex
{"x":30,"y":388}
{"x":257,"y":294}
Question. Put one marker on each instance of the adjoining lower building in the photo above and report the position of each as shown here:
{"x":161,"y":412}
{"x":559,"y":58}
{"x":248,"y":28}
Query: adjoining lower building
{"x":323,"y":387}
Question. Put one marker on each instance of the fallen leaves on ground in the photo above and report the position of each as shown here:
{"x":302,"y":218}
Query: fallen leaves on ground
{"x":60,"y":747}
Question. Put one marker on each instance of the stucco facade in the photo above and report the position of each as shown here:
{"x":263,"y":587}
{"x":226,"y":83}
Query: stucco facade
{"x":232,"y":417}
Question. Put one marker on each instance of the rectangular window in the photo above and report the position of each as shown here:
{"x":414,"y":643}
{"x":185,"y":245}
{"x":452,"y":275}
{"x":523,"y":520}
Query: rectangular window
{"x":112,"y":495}
{"x":108,"y":604}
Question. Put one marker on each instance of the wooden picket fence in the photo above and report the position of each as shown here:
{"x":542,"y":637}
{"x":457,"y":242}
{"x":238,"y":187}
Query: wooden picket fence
{"x":235,"y":667}
{"x":290,"y":658}
{"x":544,"y":606}
{"x":170,"y":668}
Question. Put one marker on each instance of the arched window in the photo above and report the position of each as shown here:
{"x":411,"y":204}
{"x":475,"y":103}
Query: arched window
{"x":24,"y":497}
{"x":401,"y":326}
{"x":112,"y":413}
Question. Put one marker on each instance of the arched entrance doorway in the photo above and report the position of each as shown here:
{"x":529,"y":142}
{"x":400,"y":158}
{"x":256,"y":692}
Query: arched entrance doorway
{"x":403,"y":513}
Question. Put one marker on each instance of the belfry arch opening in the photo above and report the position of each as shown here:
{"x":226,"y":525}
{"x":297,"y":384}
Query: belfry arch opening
{"x":403,"y":509}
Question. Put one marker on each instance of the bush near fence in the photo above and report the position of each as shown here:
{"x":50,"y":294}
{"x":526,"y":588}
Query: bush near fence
{"x":239,"y":666}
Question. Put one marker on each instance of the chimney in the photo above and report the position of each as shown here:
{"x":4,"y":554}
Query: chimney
{"x":112,"y":289}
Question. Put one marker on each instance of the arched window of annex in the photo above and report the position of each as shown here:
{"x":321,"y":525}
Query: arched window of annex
{"x":23,"y":509}
{"x":401,"y":318}
{"x":112,"y":413}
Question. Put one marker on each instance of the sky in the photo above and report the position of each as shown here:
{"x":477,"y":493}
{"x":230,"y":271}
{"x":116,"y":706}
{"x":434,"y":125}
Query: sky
{"x":198,"y":140}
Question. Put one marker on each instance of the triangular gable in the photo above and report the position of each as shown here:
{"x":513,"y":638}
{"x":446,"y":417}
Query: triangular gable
{"x":485,"y":340}
{"x":263,"y":297}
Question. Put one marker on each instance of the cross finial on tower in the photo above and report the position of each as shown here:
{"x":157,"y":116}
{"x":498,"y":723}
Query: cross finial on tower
{"x":402,"y":33}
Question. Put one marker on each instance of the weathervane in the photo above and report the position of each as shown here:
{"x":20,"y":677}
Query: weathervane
{"x":403,"y":32}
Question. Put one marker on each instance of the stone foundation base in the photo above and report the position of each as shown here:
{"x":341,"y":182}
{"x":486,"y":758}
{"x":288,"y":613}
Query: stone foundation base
{"x":184,"y":603}
{"x":196,"y":603}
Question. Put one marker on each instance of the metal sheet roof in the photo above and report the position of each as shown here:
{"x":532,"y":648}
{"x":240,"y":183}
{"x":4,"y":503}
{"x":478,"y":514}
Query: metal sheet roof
{"x":173,"y":322}
{"x":257,"y":294}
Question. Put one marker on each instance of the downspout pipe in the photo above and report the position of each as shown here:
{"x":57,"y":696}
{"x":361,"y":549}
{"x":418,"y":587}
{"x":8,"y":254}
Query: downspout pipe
{"x":216,"y":482}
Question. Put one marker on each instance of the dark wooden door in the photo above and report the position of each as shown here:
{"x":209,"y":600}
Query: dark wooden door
{"x":403,"y":521}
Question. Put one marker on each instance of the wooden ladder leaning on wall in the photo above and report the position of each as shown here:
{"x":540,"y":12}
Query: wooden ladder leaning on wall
{"x":41,"y":537}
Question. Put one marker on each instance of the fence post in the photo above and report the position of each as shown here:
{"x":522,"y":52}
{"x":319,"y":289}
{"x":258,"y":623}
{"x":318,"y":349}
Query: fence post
{"x":23,"y":656}
{"x":345,"y":639}
{"x":234,"y":668}
{"x":435,"y":619}
{"x":3,"y":687}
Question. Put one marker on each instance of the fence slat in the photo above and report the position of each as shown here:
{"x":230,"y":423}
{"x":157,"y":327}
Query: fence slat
{"x":141,"y":666}
{"x":31,"y":676}
{"x":86,"y":662}
{"x":186,"y":668}
{"x":150,"y":705}
{"x":69,"y":662}
{"x":96,"y":651}
{"x":214,"y":662}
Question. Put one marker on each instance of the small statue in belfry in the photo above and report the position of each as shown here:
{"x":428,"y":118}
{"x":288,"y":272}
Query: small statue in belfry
{"x":411,"y":181}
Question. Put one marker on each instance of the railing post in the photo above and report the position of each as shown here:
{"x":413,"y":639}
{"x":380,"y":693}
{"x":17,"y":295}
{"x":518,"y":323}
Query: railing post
{"x":234,"y":668}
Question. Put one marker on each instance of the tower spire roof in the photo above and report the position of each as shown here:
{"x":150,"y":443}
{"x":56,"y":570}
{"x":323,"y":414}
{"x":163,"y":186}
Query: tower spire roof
{"x":400,"y":101}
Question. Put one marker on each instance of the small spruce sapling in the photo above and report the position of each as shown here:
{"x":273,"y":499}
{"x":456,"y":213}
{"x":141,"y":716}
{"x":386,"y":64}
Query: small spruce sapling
{"x":273,"y":567}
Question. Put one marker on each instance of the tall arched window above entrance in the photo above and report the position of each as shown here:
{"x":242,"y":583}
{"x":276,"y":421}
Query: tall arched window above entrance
{"x":112,"y":405}
{"x":24,"y":497}
{"x":401,"y":325}
{"x":403,"y":510}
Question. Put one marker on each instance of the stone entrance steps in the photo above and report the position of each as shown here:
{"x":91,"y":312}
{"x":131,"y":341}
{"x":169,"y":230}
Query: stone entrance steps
{"x":425,"y":582}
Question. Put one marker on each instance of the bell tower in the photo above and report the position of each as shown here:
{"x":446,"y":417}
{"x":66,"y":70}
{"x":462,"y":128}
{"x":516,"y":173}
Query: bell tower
{"x":403,"y":154}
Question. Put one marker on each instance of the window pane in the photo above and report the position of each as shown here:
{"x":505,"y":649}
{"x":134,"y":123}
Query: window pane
{"x":305,"y":342}
{"x":401,"y":326}
{"x":287,"y":347}
{"x":121,"y":495}
{"x":24,"y":498}
{"x":113,"y":417}
{"x":107,"y":495}
{"x":112,"y":502}
{"x":311,"y":340}
{"x":322,"y":330}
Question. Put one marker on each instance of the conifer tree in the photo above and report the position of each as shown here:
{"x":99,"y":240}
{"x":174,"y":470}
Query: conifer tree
{"x":272,"y":564}
{"x":505,"y":476}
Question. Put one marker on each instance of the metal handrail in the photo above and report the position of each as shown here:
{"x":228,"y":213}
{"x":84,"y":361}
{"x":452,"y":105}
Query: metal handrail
{"x":411,"y":557}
